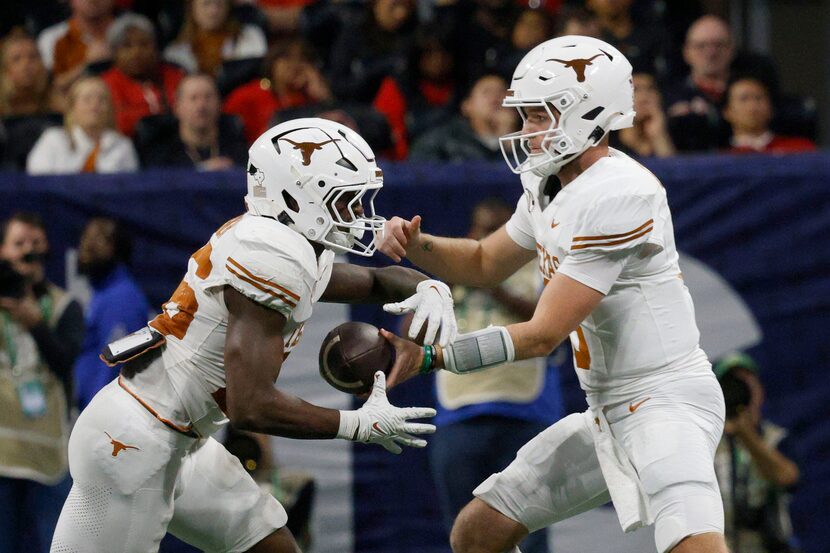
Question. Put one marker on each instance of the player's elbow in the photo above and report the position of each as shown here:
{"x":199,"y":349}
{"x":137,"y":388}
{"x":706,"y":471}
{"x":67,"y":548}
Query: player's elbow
{"x":243,"y":415}
{"x":239,"y":413}
{"x":242,"y":404}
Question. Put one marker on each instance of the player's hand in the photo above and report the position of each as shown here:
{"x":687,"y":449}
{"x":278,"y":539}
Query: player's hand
{"x":431,"y":304}
{"x":398,"y":235}
{"x":380,"y":422}
{"x":408,"y":358}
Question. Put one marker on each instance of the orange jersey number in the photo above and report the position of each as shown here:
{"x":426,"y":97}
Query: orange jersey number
{"x":178,"y":313}
{"x":582,"y":357}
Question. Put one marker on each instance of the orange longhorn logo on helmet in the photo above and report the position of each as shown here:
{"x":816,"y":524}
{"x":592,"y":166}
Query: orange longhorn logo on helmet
{"x":308,"y":148}
{"x":579,"y":64}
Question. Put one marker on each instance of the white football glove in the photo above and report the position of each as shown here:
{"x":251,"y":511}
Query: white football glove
{"x":380,"y":422}
{"x":432,"y":303}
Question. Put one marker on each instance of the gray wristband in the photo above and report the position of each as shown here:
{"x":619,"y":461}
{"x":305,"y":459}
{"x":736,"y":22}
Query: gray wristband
{"x":479,"y":350}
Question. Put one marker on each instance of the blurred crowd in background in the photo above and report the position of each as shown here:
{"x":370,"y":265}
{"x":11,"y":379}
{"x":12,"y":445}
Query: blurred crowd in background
{"x":118,"y":85}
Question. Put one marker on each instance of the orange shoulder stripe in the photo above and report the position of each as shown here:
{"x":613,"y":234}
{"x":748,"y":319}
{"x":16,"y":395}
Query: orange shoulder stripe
{"x":259,"y":286}
{"x":609,"y":236}
{"x":612,"y":242}
{"x":252,"y":276}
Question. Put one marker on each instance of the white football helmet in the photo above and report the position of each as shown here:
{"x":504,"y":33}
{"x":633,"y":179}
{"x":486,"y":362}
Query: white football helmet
{"x":320,"y":179}
{"x":587,"y":81}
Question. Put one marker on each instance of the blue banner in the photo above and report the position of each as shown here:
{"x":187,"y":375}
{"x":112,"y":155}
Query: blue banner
{"x":761,"y":222}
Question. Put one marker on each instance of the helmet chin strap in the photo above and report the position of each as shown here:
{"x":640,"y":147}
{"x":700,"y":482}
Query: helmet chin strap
{"x":341,"y":241}
{"x":546,"y":169}
{"x":337,"y":239}
{"x":552,"y":168}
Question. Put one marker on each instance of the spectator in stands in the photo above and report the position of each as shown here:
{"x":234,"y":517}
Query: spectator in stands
{"x":292,"y":79}
{"x":25,"y":88}
{"x":475,"y":134}
{"x":482,"y":34}
{"x":754,"y":472}
{"x":649,"y":137}
{"x":694,"y":106}
{"x":427,"y":94}
{"x":372,"y":47}
{"x":117,"y":308}
{"x":41,"y":329}
{"x":211,"y":35}
{"x":28,"y":102}
{"x":140,"y":84}
{"x":748,"y":111}
{"x":642,"y":43}
{"x":200,"y":137}
{"x":283,"y":16}
{"x":578,"y":21}
{"x":532,"y":27}
{"x":70,"y":47}
{"x":87,"y":143}
{"x":509,"y":406}
{"x":381,"y":120}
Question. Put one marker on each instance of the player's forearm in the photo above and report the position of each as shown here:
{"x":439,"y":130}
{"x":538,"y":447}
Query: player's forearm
{"x":351,"y":283}
{"x":280,"y":414}
{"x":394,"y":283}
{"x":532,"y":340}
{"x":564,"y":304}
{"x":456,"y":260}
{"x":562,"y":307}
{"x":252,"y":365}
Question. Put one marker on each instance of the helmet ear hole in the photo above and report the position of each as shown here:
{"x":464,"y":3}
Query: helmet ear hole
{"x":596,"y":135}
{"x":290,"y":202}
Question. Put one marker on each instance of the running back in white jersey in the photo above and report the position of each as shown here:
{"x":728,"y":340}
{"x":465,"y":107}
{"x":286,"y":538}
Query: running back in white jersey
{"x":262,"y":259}
{"x":644,"y":327}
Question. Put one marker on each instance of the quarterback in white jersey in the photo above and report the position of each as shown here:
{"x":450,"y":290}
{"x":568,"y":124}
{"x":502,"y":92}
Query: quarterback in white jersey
{"x":599,"y":224}
{"x":141,"y":455}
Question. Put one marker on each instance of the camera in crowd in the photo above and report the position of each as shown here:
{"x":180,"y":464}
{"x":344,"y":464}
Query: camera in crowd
{"x":736,"y":392}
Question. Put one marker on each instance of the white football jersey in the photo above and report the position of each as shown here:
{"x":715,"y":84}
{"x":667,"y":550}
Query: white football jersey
{"x":644,"y":329}
{"x":262,"y":259}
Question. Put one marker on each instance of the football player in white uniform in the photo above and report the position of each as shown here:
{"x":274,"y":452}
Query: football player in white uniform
{"x":601,"y":228}
{"x":141,"y":455}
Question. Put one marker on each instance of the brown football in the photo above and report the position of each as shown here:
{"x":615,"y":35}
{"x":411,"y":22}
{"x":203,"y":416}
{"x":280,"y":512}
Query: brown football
{"x":351,"y":354}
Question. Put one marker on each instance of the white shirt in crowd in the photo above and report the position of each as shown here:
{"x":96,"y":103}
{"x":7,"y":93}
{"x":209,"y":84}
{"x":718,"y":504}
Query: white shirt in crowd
{"x":47,"y":40}
{"x":54,"y":153}
{"x":251,"y":43}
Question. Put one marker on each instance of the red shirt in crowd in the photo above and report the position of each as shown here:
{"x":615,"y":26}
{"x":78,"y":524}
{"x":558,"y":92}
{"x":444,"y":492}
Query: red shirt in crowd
{"x":391,"y":102}
{"x":255,"y":105}
{"x":774,"y":144}
{"x":134,"y":99}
